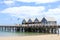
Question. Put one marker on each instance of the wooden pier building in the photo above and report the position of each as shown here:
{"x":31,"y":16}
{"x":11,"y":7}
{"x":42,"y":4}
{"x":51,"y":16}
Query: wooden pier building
{"x":42,"y":25}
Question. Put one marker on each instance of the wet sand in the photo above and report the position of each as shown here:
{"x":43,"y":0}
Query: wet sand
{"x":33,"y":37}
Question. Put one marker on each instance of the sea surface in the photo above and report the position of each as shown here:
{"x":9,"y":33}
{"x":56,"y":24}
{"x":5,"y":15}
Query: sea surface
{"x":2,"y":33}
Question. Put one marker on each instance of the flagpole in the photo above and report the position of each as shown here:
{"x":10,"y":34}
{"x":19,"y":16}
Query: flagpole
{"x":18,"y":20}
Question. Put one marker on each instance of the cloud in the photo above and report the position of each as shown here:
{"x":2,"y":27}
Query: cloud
{"x":9,"y":2}
{"x":55,"y":11}
{"x":24,"y":11}
{"x":39,"y":1}
{"x":28,"y":11}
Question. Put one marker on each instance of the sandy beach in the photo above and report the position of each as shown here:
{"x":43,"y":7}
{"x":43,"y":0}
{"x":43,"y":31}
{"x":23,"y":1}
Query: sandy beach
{"x":33,"y":37}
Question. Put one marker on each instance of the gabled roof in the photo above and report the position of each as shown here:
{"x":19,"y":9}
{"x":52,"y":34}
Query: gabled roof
{"x":44,"y":19}
{"x":29,"y":20}
{"x":24,"y":21}
{"x":47,"y":18}
{"x":36,"y":20}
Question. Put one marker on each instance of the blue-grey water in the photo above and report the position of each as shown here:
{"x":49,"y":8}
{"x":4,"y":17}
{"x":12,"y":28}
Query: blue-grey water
{"x":9,"y":34}
{"x":16,"y":33}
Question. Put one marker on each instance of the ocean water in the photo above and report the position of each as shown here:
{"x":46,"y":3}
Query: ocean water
{"x":18,"y":33}
{"x":7,"y":33}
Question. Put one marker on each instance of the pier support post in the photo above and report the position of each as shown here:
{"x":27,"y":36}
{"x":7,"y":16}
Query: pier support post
{"x":11,"y":29}
{"x":6,"y":29}
{"x":23,"y":30}
{"x":55,"y":30}
{"x":20,"y":29}
{"x":50,"y":31}
{"x":14,"y":29}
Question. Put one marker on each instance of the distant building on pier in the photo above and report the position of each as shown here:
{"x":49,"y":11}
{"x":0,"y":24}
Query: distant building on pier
{"x":44,"y":20}
{"x":43,"y":25}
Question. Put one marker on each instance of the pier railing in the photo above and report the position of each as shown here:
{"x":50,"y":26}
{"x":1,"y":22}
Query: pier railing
{"x":39,"y":25}
{"x":31,"y":25}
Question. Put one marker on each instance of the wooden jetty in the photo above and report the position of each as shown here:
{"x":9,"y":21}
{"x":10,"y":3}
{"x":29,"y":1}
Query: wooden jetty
{"x":43,"y":26}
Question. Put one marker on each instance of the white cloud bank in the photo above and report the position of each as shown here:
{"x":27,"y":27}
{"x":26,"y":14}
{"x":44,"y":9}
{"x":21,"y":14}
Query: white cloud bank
{"x":24,"y":11}
{"x":39,"y":1}
{"x":10,"y":2}
{"x":28,"y":11}
{"x":55,"y":11}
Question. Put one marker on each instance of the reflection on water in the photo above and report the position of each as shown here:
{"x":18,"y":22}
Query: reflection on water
{"x":18,"y":33}
{"x":6,"y":34}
